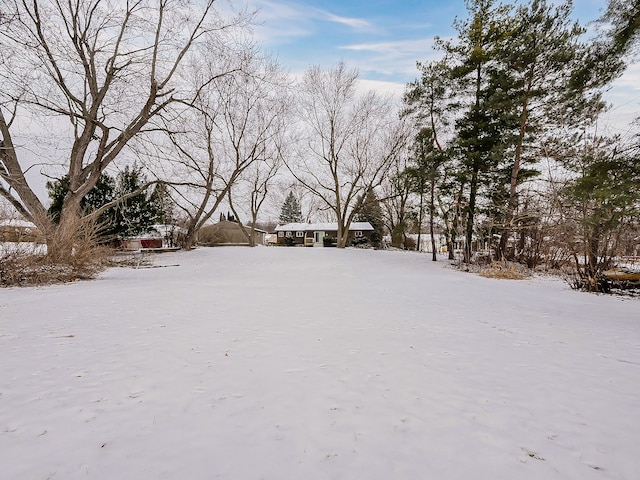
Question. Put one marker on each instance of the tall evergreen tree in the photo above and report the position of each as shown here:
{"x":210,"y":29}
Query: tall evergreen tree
{"x":424,"y":175}
{"x":429,"y":100}
{"x":136,"y":213}
{"x":535,"y":63}
{"x":291,"y":212}
{"x":371,"y":212}
{"x":607,"y":57}
{"x":485,"y":118}
{"x":101,"y":194}
{"x":161,"y":203}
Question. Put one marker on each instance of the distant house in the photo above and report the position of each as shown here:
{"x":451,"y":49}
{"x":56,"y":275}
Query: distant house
{"x":425,"y":242}
{"x":226,"y":233}
{"x":312,"y":234}
{"x":159,"y":237}
{"x":271,"y":239}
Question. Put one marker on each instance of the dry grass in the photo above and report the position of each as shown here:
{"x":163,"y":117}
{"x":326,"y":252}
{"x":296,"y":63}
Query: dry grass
{"x":24,"y":266}
{"x":503,"y":271}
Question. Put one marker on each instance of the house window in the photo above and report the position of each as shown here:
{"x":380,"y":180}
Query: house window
{"x":289,"y":234}
{"x":299,"y":234}
{"x":281,"y":234}
{"x":358,"y":233}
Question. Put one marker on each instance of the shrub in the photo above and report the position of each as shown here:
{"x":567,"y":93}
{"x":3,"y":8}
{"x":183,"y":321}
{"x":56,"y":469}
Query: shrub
{"x":504,"y":271}
{"x":329,"y":241}
{"x":30,"y":265}
{"x":409,"y":243}
{"x":359,"y":241}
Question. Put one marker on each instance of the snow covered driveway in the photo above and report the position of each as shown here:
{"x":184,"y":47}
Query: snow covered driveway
{"x":288,"y":363}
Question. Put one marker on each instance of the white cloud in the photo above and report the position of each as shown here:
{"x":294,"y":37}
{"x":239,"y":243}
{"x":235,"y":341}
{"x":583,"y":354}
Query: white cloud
{"x":414,"y":45}
{"x":395,"y":59}
{"x":631,"y":78}
{"x":281,"y":22}
{"x":355,"y":23}
{"x":385,"y":88}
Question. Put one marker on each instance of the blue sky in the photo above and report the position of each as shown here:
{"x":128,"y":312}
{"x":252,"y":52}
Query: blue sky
{"x":385,"y":38}
{"x":382,"y":38}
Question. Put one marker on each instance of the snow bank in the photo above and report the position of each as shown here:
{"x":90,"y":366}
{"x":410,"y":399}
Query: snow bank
{"x":283,"y":363}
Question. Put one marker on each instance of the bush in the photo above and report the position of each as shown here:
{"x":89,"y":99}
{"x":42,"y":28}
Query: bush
{"x":329,"y":241}
{"x":504,"y":271}
{"x":30,"y":265}
{"x":409,"y":243}
{"x":359,"y":241}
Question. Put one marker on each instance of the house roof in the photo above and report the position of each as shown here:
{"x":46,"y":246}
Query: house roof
{"x":321,"y":227}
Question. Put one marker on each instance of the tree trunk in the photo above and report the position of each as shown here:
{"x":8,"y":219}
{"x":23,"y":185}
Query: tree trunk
{"x":471,"y":216}
{"x":252,"y":236}
{"x":342,"y":239}
{"x":420,"y":215}
{"x":515,"y":171}
{"x":189,"y":238}
{"x":593,"y":244}
{"x":60,"y":238}
{"x":434,"y":256}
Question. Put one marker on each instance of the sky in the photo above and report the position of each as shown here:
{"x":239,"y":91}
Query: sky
{"x":383,"y":39}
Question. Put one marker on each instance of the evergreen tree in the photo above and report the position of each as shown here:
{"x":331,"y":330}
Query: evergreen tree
{"x":424,"y":175}
{"x":161,"y":202}
{"x":131,"y":216}
{"x":486,"y":118}
{"x":137,"y":213}
{"x":607,"y":57}
{"x":535,"y":64}
{"x":602,"y":203}
{"x":371,"y":212}
{"x":396,"y":206}
{"x":102,"y":193}
{"x":291,"y":212}
{"x":431,"y":100}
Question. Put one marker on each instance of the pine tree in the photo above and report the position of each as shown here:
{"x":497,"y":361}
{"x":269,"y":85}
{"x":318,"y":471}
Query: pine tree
{"x":101,"y":194}
{"x":291,"y":212}
{"x":535,"y":64}
{"x":371,"y":212}
{"x":424,"y":175}
{"x":599,"y":204}
{"x":160,"y":201}
{"x":608,"y":55}
{"x":135,"y":214}
{"x":431,"y":100}
{"x":486,"y":118}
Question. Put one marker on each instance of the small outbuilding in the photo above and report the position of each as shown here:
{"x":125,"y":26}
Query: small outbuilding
{"x":227,"y":233}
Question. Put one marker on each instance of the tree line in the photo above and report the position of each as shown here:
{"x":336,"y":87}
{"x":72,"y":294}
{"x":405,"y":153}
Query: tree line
{"x":495,"y":145}
{"x":508,"y":151}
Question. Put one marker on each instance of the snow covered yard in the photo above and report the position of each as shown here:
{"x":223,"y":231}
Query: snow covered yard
{"x":276,"y":363}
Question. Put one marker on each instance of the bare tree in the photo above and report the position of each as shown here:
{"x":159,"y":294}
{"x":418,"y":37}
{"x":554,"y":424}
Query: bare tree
{"x":108,"y":69}
{"x":257,"y":183}
{"x":236,"y":122}
{"x":396,"y":203}
{"x":349,"y":141}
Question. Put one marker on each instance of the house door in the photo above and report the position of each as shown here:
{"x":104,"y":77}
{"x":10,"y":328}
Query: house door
{"x":317,"y":239}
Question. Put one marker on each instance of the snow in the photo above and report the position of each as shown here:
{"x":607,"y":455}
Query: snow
{"x":15,"y":222}
{"x":284,"y":363}
{"x":23,"y":248}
